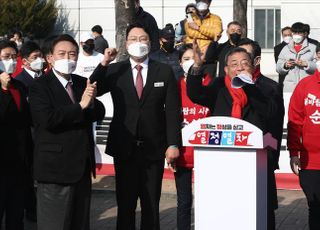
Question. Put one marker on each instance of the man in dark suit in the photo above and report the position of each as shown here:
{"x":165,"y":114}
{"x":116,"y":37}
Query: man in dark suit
{"x":63,"y":109}
{"x":287,"y":37}
{"x":15,"y":139}
{"x":32,"y":68}
{"x":273,"y":91}
{"x":32,"y":63}
{"x":145,"y":127}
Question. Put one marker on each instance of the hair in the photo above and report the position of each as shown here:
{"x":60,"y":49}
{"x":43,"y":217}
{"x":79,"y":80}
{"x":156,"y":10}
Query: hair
{"x":29,"y":47}
{"x":237,"y":50}
{"x":298,"y":27}
{"x":285,"y":28}
{"x":137,"y":25}
{"x":234,"y":23}
{"x":8,"y":44}
{"x":255,"y":46}
{"x":206,"y":0}
{"x":18,"y":33}
{"x":183,"y":49}
{"x":307,"y":28}
{"x":97,"y":29}
{"x":46,"y":45}
{"x":62,"y":38}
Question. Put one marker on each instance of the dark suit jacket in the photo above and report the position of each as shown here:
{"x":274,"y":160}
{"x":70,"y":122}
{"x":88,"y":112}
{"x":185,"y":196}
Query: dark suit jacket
{"x":218,"y":99}
{"x":154,"y":119}
{"x":63,"y":131}
{"x":25,"y":78}
{"x":273,"y":91}
{"x":15,"y":134}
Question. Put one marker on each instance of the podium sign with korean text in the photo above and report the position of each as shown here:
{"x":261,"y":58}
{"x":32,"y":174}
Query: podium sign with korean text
{"x":222,"y":132}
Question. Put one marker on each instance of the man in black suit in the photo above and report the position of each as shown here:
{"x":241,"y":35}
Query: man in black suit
{"x":145,"y":127}
{"x":63,"y":109}
{"x":32,"y":68}
{"x":287,"y":37}
{"x":273,"y":91}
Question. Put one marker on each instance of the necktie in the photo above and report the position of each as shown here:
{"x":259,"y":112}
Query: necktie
{"x":139,"y":81}
{"x":70,"y":91}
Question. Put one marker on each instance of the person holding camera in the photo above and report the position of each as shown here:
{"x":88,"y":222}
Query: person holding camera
{"x":297,"y":58}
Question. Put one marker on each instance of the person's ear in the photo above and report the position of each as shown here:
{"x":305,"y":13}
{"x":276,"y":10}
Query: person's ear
{"x":256,"y":61}
{"x":25,"y":62}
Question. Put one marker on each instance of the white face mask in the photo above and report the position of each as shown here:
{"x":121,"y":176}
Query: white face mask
{"x":37,"y":64}
{"x":186,"y":65}
{"x":297,"y":38}
{"x":8,"y":66}
{"x":287,"y":39}
{"x":65,"y":66}
{"x":138,"y":49}
{"x":318,"y":65}
{"x":201,"y":6}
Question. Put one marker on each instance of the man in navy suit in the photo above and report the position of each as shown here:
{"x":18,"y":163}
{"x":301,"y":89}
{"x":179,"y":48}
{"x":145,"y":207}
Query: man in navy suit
{"x":145,"y":128}
{"x":32,"y":63}
{"x":63,"y":107}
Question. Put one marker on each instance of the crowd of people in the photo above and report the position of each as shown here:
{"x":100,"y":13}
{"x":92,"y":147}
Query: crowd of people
{"x":171,"y":77}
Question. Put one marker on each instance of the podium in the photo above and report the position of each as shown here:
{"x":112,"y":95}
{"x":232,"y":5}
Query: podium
{"x":230,"y":172}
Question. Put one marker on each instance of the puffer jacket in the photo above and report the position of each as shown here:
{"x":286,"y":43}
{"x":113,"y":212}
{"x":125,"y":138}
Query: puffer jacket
{"x":295,"y":74}
{"x":210,"y":28}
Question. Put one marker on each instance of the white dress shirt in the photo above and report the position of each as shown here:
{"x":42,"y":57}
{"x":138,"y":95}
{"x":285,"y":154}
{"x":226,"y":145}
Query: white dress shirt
{"x":144,"y":71}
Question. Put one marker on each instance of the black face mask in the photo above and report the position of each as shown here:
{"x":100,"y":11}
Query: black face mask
{"x":168,"y":46}
{"x":88,"y":48}
{"x":235,"y":38}
{"x":203,"y":14}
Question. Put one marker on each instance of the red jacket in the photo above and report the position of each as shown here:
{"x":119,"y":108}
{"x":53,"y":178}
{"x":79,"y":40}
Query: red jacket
{"x":190,"y":112}
{"x":304,"y":122}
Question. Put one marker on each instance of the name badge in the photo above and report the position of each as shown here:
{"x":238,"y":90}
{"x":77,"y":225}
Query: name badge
{"x":158,"y":84}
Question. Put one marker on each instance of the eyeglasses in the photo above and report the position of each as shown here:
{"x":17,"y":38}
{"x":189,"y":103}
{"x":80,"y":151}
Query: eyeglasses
{"x":243,"y":64}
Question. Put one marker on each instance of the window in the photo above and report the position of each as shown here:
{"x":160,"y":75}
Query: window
{"x":267,"y":27}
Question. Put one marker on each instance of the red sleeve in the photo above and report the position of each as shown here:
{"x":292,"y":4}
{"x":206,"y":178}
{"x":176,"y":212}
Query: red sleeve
{"x":296,"y":116}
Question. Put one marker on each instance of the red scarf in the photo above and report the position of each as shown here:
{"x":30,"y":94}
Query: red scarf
{"x":256,"y":74}
{"x":239,"y":98}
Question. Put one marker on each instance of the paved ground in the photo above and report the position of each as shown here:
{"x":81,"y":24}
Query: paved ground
{"x":291,"y":215}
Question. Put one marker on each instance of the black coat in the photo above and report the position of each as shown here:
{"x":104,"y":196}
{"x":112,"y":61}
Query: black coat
{"x":154,"y":119}
{"x":148,"y":21}
{"x":64,"y":143}
{"x":273,"y":91}
{"x":15,"y":131}
{"x":25,"y":78}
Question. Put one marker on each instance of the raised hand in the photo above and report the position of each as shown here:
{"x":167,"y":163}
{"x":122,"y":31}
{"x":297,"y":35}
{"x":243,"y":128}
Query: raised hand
{"x":5,"y":80}
{"x":88,"y":95}
{"x":109,"y":55}
{"x":196,"y":54}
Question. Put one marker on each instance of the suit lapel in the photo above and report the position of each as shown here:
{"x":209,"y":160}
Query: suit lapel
{"x":58,"y":90}
{"x":151,"y":76}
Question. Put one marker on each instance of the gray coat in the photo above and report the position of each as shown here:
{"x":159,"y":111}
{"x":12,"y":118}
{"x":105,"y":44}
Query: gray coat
{"x":295,"y":74}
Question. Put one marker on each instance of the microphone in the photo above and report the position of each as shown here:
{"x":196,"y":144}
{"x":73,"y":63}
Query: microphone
{"x":240,"y":80}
